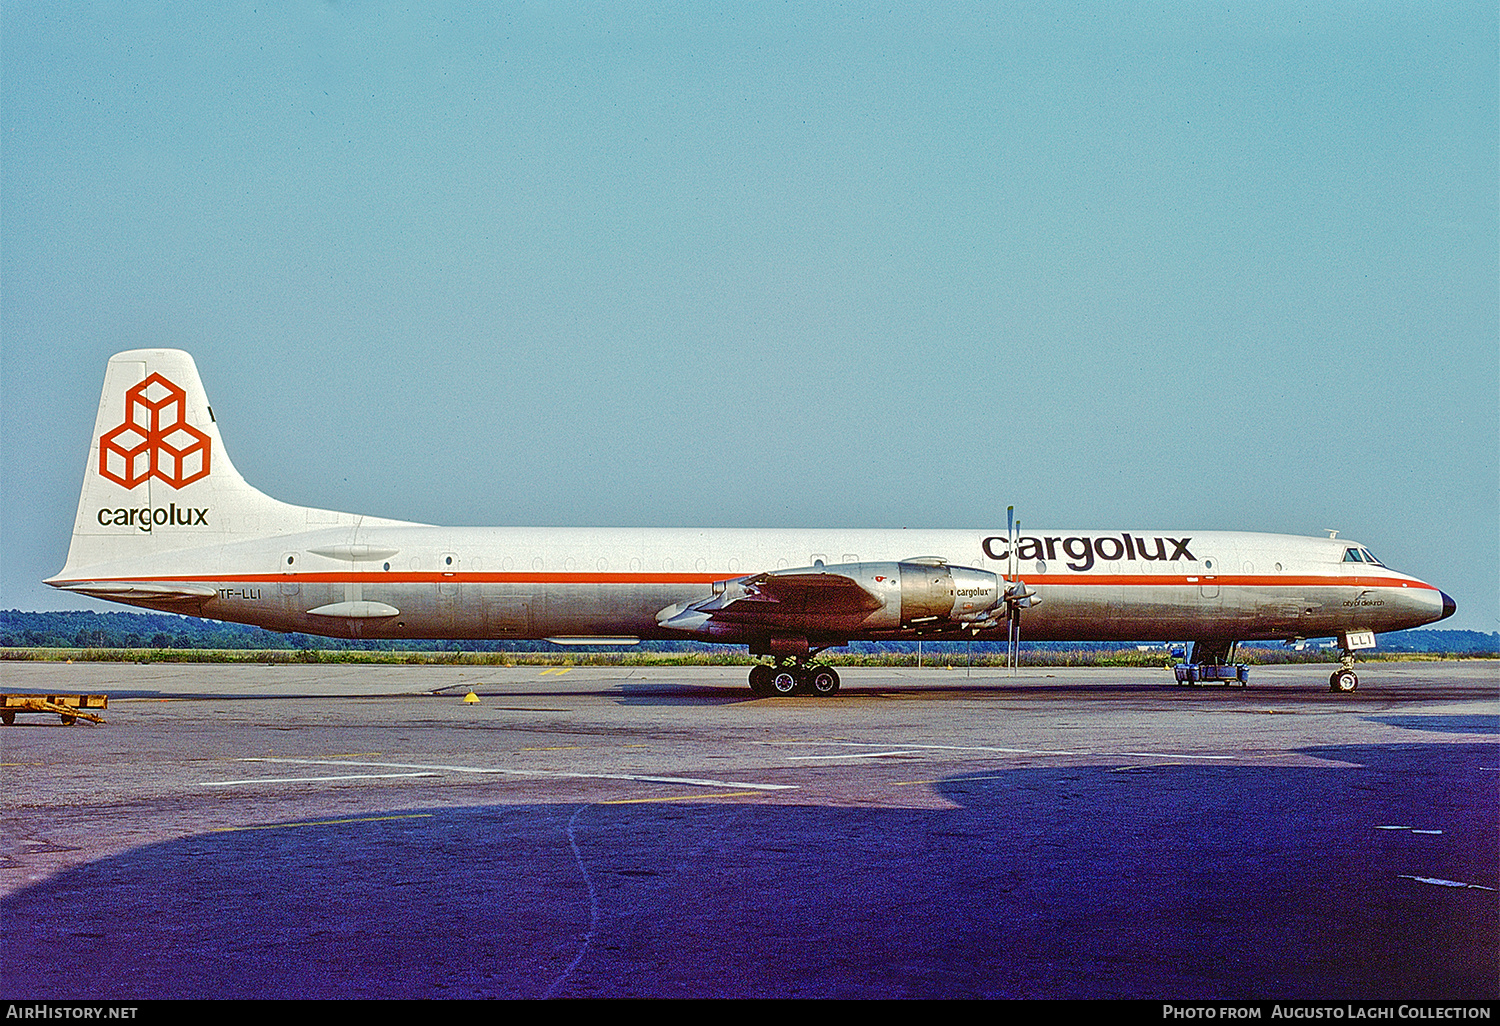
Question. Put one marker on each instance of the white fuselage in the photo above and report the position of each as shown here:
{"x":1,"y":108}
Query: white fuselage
{"x":477,"y":583}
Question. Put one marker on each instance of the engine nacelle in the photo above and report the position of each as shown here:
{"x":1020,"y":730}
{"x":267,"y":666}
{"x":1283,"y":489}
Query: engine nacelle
{"x":933,"y":592}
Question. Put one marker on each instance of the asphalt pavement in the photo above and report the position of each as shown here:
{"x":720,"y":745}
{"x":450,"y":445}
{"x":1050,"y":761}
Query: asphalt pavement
{"x":363,"y":831}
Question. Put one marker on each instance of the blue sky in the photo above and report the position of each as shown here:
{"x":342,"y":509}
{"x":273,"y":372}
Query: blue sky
{"x":1137,"y":265}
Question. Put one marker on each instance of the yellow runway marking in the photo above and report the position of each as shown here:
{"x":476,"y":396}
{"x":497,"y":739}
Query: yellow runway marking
{"x":680,"y":798}
{"x":321,"y":822}
{"x":559,"y":671}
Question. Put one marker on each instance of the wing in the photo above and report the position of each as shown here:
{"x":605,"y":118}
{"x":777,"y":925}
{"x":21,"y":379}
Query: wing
{"x":795,"y":601}
{"x":848,"y":600}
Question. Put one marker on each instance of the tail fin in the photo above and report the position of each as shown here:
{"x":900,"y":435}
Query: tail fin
{"x":158,"y":478}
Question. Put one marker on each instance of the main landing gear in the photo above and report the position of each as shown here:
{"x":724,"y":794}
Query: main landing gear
{"x":793,"y":677}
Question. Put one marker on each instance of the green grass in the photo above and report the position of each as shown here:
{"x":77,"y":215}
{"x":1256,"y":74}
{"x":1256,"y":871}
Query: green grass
{"x":1048,"y":657}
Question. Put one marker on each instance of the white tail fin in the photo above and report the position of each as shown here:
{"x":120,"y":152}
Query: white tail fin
{"x":158,"y":479}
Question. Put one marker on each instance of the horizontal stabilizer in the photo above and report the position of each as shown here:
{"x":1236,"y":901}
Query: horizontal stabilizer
{"x":126,"y":590}
{"x":589,"y":639}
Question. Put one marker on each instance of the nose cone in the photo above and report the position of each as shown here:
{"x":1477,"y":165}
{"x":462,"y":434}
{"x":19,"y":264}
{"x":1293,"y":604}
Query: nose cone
{"x":1449,"y":606}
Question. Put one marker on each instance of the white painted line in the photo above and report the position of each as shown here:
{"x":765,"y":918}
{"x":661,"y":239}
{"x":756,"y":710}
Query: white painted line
{"x":1416,"y":831}
{"x":851,"y":755}
{"x":691,"y":781}
{"x":1444,"y":883}
{"x":929,"y":748}
{"x":1393,"y":828}
{"x":310,"y":780}
{"x":501,"y":771}
{"x":384,"y":765}
{"x":1008,"y":751}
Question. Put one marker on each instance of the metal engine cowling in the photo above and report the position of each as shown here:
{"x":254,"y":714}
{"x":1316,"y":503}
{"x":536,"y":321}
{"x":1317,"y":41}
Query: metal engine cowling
{"x":933,"y":592}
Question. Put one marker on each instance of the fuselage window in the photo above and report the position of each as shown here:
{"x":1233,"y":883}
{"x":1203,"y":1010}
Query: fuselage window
{"x":1353,"y":556}
{"x":1369,"y":558}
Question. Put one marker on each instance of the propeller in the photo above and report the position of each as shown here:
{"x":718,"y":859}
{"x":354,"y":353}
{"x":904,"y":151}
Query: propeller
{"x":1013,"y":619}
{"x":1017,"y":595}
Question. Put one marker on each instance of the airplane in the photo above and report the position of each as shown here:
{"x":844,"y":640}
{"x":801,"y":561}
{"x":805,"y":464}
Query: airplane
{"x":166,"y":522}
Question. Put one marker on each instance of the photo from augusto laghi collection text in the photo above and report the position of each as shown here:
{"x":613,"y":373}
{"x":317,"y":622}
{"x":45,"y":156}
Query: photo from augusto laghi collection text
{"x":1370,"y":1010}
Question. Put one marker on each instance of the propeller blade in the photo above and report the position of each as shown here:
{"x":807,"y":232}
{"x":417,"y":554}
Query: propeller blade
{"x":1014,"y":638}
{"x":1010,"y":536}
{"x":1014,"y":591}
{"x":1015,"y":613}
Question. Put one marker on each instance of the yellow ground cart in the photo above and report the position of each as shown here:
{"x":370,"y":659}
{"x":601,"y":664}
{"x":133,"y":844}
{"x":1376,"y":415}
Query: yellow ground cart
{"x":69,"y":707}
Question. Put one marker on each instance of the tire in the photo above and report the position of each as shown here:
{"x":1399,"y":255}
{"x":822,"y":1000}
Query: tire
{"x":760,"y":680}
{"x":823,"y":680}
{"x":7,"y":718}
{"x":1344,"y":681}
{"x":785,"y":682}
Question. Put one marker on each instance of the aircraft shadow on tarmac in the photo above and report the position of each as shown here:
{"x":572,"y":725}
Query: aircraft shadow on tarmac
{"x":1475,"y":723}
{"x":1143,"y":881}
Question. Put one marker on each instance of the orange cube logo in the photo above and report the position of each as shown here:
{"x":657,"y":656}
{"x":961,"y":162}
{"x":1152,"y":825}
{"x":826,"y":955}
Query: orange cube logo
{"x":156,"y":440}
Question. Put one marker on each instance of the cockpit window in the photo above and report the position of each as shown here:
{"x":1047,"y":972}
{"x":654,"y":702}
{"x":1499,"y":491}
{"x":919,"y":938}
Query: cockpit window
{"x":1369,"y":558}
{"x":1353,"y":556}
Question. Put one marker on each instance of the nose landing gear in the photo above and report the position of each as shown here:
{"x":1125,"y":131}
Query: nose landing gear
{"x":1344,"y":680}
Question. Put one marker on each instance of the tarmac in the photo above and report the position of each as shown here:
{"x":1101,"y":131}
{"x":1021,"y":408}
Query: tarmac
{"x":346,"y":831}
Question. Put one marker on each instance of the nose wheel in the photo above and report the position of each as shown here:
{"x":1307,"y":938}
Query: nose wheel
{"x":1344,"y":680}
{"x":793,"y":677}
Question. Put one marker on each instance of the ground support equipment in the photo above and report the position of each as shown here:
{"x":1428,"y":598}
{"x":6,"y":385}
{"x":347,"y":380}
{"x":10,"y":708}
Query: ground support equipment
{"x":70,"y":708}
{"x":1208,"y":673}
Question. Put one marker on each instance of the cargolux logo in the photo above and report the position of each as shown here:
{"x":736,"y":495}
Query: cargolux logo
{"x":156,"y":440}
